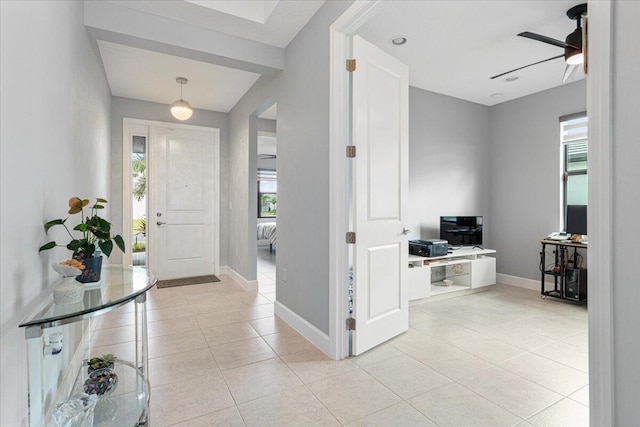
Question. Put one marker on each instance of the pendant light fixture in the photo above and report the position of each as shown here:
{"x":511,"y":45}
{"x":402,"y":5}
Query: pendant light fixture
{"x":181,"y":109}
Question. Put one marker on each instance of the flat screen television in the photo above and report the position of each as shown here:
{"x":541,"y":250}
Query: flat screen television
{"x":461,"y":230}
{"x":576,"y":221}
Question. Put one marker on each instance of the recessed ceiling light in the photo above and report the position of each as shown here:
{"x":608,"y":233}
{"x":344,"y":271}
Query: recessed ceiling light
{"x":398,"y":40}
{"x":511,"y":79}
{"x":496,"y":95}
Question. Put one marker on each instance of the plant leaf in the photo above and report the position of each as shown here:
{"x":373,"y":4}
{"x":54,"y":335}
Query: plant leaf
{"x":53,"y":222}
{"x":74,"y":245}
{"x":75,"y":210}
{"x":97,"y":206}
{"x":49,"y":245}
{"x":101,"y":200}
{"x":119,"y":241}
{"x":81,"y":227}
{"x":85,"y":202}
{"x":107,"y":247}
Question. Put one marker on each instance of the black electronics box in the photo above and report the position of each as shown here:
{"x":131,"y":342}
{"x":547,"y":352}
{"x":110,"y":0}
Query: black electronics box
{"x":575,"y":284}
{"x":428,"y":248}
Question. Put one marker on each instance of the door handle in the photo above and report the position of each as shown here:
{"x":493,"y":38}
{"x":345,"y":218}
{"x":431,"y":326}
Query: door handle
{"x":160,"y":223}
{"x":406,"y":231}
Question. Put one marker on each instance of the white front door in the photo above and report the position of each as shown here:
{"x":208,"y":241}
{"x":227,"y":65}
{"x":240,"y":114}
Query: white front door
{"x":380,"y":195}
{"x":184,"y":192}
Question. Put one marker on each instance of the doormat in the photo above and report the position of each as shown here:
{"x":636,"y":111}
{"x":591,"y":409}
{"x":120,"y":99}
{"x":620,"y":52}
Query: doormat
{"x":186,"y":281}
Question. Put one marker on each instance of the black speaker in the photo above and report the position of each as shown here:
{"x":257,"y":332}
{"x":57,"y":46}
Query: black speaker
{"x":575,"y":284}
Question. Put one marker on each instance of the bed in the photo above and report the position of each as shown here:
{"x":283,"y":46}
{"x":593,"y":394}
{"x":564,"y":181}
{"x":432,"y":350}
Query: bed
{"x":267,"y":232}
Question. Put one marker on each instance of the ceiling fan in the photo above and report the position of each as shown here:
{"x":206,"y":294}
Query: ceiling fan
{"x":573,"y":44}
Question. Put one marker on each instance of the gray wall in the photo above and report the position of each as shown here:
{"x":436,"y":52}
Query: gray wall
{"x":135,"y":109}
{"x":55,"y":144}
{"x":448,"y":161}
{"x":302,"y":93}
{"x":525,"y":186}
{"x":303,"y":170}
{"x":243,"y":149}
{"x":626,"y":205}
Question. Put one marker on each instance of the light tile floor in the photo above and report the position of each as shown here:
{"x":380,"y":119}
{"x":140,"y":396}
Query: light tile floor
{"x":219,"y":357}
{"x":267,"y":272}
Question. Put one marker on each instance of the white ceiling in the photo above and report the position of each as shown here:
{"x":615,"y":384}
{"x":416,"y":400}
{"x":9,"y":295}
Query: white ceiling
{"x":454,"y":47}
{"x":283,"y":23}
{"x":148,"y":75}
{"x":151,"y":76}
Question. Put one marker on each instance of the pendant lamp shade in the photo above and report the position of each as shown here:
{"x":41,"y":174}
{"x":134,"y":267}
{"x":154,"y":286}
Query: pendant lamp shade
{"x":181,"y":109}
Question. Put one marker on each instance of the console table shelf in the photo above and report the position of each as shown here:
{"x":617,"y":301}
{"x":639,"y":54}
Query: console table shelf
{"x":129,"y":404}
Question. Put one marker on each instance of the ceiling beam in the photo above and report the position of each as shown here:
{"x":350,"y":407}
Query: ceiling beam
{"x":113,"y":23}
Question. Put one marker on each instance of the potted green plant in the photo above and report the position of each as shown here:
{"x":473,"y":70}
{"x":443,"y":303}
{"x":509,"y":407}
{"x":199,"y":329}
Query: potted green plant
{"x":96,"y":234}
{"x":105,"y":361}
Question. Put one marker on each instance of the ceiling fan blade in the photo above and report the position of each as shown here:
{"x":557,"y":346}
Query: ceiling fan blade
{"x":569,"y":72}
{"x":520,"y":68}
{"x":545,"y":39}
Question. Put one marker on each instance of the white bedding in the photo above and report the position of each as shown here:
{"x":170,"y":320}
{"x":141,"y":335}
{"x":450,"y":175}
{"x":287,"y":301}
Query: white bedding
{"x":267,"y":231}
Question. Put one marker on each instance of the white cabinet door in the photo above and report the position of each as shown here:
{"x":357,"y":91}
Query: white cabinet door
{"x":419,"y":279}
{"x":483,"y":272}
{"x":380,"y":193}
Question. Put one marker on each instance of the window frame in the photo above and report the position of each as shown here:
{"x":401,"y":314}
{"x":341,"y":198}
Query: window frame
{"x":261,"y":193}
{"x":566,"y":173}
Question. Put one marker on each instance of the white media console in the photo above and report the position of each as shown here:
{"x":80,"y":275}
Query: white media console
{"x":467,"y":268}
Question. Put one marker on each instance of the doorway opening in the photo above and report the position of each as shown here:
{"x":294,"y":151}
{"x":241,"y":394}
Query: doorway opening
{"x":599,"y":312}
{"x":266,"y":201}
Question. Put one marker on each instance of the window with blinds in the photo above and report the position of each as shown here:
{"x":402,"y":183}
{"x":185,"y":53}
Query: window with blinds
{"x":267,"y":191}
{"x":574,"y":147}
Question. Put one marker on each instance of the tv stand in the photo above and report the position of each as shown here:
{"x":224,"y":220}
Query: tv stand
{"x":468,"y":268}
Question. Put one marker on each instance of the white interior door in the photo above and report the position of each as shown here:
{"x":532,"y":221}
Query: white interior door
{"x":380,"y":195}
{"x":184,"y":200}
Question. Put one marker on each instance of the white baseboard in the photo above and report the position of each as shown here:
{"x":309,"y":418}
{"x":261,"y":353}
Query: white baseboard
{"x":519,"y":282}
{"x":304,"y":328}
{"x":247,"y":285}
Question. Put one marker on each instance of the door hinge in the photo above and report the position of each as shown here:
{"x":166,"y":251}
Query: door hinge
{"x":351,"y":324}
{"x":351,"y":65}
{"x":351,"y":151}
{"x":351,"y":237}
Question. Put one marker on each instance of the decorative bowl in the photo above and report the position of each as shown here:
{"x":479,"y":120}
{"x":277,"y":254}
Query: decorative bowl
{"x":101,"y":382}
{"x":65,"y":270}
{"x":448,"y":282}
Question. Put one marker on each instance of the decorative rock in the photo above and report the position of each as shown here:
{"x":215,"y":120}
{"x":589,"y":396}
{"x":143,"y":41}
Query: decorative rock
{"x":101,"y":382}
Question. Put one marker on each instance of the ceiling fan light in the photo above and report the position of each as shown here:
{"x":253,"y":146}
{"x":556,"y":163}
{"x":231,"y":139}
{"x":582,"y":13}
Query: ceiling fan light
{"x":571,"y":55}
{"x":181,"y":110}
{"x":576,"y":58}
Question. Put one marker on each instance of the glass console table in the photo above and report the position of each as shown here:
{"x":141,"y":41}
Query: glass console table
{"x":119,"y":285}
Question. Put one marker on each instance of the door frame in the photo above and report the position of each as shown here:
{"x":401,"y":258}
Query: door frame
{"x":601,"y":356}
{"x":126,"y":185}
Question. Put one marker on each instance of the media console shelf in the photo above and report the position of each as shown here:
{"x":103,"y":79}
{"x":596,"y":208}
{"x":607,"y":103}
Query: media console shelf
{"x":468,"y":268}
{"x":569,"y":282}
